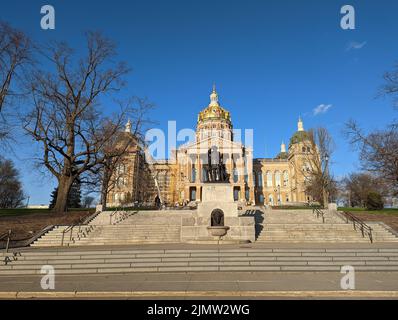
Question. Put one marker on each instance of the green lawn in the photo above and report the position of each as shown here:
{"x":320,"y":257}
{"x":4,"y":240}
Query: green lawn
{"x":294,"y":207}
{"x":359,"y":210}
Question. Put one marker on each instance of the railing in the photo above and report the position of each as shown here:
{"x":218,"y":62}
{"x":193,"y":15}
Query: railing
{"x":120,"y":216}
{"x":8,"y":236}
{"x":319,"y":213}
{"x":358,"y":223}
{"x":82,"y":222}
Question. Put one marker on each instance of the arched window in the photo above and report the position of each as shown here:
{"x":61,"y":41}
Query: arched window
{"x":285,"y":178}
{"x":277,"y":178}
{"x":260,"y":179}
{"x":269,"y":179}
{"x":236,"y":175}
{"x":204,"y":176}
{"x":193,"y":174}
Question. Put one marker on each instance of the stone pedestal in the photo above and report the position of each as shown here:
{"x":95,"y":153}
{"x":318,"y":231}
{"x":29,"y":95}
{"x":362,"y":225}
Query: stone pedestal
{"x":218,"y":196}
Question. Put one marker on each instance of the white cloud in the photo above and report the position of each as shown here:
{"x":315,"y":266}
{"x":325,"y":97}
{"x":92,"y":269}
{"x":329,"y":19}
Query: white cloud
{"x":356,"y":45}
{"x":322,"y":108}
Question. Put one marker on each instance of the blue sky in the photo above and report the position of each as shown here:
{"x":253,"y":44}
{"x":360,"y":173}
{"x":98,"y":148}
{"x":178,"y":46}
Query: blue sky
{"x":271,"y":61}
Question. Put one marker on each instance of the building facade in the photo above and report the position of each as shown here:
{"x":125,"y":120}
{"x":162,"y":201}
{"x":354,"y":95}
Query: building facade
{"x":179,"y":181}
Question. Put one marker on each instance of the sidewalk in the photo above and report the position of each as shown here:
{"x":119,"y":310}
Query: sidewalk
{"x":205,"y":285}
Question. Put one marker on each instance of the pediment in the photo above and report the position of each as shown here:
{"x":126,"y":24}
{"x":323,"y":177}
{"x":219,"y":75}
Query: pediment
{"x":204,"y":145}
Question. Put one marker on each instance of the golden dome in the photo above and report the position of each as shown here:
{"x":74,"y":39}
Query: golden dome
{"x":214,"y":111}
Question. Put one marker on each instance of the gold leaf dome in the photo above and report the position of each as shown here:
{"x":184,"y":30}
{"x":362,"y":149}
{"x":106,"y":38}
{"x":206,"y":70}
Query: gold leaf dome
{"x":214,"y":111}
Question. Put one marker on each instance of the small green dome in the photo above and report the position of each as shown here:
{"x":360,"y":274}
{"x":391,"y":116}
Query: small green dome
{"x":282,"y":155}
{"x":298,"y":137}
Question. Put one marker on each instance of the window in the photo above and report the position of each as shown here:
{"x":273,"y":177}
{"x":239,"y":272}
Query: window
{"x":261,"y":198}
{"x":247,"y":194}
{"x":192,"y":194}
{"x":204,"y":176}
{"x":285,"y":178}
{"x":236,"y":194}
{"x":236,"y":175}
{"x":277,"y":178}
{"x":269,"y":179}
{"x":260,"y":179}
{"x":193,"y":174}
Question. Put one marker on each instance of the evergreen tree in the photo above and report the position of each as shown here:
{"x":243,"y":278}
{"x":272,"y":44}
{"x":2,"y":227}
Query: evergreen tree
{"x":53,"y":195}
{"x":74,"y":197}
{"x":11,"y":193}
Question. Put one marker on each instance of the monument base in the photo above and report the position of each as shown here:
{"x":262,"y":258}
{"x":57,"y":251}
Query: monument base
{"x":218,"y":196}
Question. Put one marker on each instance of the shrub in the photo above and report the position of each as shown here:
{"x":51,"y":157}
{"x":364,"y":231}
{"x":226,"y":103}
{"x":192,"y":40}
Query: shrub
{"x":374,"y":201}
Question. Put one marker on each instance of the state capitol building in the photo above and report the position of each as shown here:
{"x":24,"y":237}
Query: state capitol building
{"x":178,"y":181}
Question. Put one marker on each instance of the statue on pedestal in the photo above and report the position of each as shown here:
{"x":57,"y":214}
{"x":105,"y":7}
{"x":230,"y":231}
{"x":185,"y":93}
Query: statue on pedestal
{"x":216,"y":171}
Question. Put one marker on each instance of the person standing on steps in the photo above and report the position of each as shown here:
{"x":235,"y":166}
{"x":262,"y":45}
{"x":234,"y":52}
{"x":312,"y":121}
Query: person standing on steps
{"x":158,"y":202}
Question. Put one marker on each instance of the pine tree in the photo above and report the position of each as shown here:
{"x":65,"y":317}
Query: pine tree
{"x":54,"y":195}
{"x":74,"y":197}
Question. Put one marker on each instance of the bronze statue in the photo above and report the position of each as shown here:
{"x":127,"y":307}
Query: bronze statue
{"x":216,"y":172}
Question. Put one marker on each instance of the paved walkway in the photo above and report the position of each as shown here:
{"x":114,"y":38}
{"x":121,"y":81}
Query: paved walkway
{"x":208,"y":285}
{"x":236,"y":285}
{"x":186,"y":246}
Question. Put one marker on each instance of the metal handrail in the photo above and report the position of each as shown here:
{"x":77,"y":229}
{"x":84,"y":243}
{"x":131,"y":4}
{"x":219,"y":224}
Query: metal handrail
{"x":70,"y":229}
{"x":8,"y":236}
{"x":363,"y":227}
{"x":111,"y":215}
{"x":120,"y":215}
{"x":319,"y":213}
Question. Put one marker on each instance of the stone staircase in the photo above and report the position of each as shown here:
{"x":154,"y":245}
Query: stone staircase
{"x":129,"y":228}
{"x":303,"y":226}
{"x":165,"y":227}
{"x":122,"y":260}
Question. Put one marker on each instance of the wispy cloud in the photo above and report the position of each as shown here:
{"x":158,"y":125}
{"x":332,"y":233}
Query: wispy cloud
{"x":322,"y":108}
{"x":355,"y":45}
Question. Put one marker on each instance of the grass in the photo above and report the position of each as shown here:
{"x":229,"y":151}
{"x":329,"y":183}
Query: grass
{"x":25,"y":211}
{"x":131,"y":209}
{"x":364,"y":210}
{"x":294,"y":207}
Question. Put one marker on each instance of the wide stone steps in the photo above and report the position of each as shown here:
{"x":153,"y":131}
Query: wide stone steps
{"x":299,"y":216}
{"x":113,"y":235}
{"x":303,"y":226}
{"x":74,"y":261}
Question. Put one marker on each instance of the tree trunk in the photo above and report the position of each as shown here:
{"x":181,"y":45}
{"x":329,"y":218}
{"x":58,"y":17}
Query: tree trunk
{"x":104,"y":192}
{"x":64,"y":186}
{"x":104,"y":195}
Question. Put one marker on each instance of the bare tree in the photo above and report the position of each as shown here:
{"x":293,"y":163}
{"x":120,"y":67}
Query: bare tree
{"x":377,"y":151}
{"x":66,"y":116}
{"x":117,"y":149}
{"x":315,"y":155}
{"x":15,"y":53}
{"x":357,"y":186}
{"x":390,"y":88}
